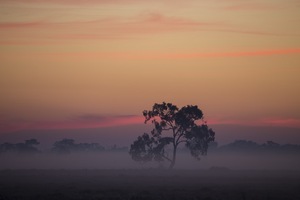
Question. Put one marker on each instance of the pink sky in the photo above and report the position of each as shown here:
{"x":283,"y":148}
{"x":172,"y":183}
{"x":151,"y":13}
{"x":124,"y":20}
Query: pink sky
{"x":90,"y":121}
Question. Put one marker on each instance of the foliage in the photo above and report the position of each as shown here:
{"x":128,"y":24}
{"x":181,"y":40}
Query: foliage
{"x":147,"y":148}
{"x":198,"y":140}
{"x":179,"y":126}
{"x":27,"y":147}
{"x":69,"y":145}
{"x":248,"y":146}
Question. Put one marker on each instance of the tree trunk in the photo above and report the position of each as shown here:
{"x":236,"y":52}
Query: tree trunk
{"x":174,"y":157}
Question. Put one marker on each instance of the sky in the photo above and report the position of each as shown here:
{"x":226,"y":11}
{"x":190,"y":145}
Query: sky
{"x":79,"y":64}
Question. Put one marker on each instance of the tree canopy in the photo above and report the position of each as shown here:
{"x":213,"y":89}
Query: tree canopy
{"x":172,"y":126}
{"x":68,"y":146}
{"x":27,"y":147}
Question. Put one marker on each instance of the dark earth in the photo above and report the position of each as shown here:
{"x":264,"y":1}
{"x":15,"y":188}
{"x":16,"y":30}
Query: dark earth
{"x":212,"y":184}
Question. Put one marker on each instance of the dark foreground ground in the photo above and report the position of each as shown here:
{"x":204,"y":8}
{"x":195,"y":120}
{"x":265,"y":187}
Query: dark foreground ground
{"x":149,"y":184}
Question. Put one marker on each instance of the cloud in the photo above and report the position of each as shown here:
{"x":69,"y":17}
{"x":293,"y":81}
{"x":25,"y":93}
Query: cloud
{"x":289,"y":122}
{"x":253,"y":32}
{"x":252,"y":7}
{"x":81,"y":122}
{"x":105,"y":28}
{"x":264,"y":122}
{"x":138,"y":23}
{"x":157,"y":55}
{"x":93,"y":2}
{"x":68,"y":2}
{"x":9,"y":25}
{"x":100,"y":121}
{"x":150,"y":23}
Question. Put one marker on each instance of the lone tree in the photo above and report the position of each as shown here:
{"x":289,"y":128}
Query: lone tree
{"x":172,"y":126}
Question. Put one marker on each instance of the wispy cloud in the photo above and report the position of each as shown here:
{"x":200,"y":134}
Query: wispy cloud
{"x":252,"y":7}
{"x":146,"y":24}
{"x":288,"y":122}
{"x":140,"y":23}
{"x":253,"y":32}
{"x":68,"y":2}
{"x":275,"y":122}
{"x":11,"y":25}
{"x":160,"y":55}
{"x":104,"y":28}
{"x":99,"y":121}
{"x":81,"y":122}
{"x":93,"y":2}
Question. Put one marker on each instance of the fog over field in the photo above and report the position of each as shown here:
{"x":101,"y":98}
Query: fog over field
{"x":122,"y":160}
{"x":112,"y":174}
{"x":124,"y":135}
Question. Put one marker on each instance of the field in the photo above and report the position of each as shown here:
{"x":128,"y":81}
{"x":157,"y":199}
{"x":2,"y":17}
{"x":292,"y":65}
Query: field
{"x":215,"y":183}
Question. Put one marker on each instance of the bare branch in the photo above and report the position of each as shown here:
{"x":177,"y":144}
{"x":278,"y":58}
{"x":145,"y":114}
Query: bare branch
{"x":172,"y":128}
{"x":181,"y":134}
{"x":168,"y":159}
{"x":179,"y":129}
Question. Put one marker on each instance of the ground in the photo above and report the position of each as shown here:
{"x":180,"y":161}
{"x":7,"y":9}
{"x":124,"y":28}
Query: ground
{"x":212,"y":184}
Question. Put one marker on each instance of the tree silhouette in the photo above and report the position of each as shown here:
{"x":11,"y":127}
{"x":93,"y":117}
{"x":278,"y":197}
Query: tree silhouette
{"x":63,"y":146}
{"x":178,"y":126}
{"x":29,"y":146}
{"x":66,"y":146}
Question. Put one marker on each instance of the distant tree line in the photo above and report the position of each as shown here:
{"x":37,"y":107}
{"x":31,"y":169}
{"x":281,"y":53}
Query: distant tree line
{"x":29,"y":146}
{"x":67,"y":146}
{"x":248,"y":146}
{"x":64,"y":146}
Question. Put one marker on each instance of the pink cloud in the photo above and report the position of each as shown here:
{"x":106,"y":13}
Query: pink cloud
{"x":252,"y":6}
{"x":151,"y":55}
{"x":25,"y":33}
{"x":26,"y":42}
{"x":266,"y":122}
{"x":77,"y":123}
{"x":289,"y":122}
{"x":155,"y":55}
{"x":94,"y":121}
{"x":91,"y":2}
{"x":163,"y":19}
{"x":68,"y":2}
{"x":232,"y":54}
{"x":106,"y":28}
{"x":7,"y":25}
{"x":252,"y":32}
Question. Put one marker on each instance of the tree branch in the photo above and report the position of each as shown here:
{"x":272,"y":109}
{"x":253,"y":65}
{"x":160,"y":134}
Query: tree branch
{"x":168,"y":159}
{"x":172,"y":128}
{"x":177,"y":131}
{"x":177,"y":140}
